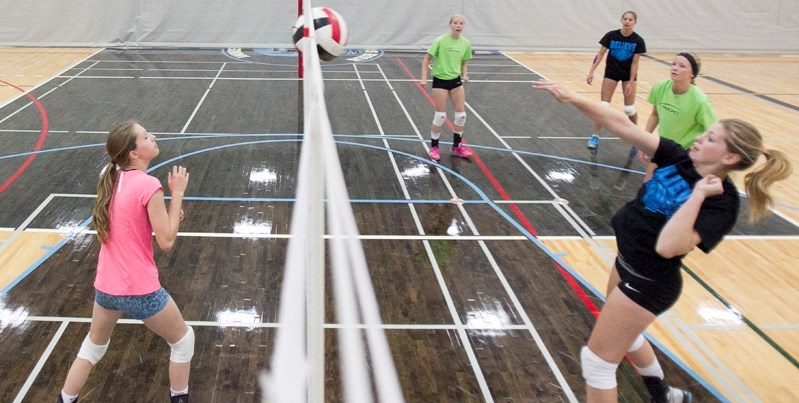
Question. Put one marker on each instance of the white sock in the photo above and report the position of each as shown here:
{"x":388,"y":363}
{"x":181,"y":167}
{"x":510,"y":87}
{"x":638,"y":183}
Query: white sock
{"x":68,"y":398}
{"x":652,"y":370}
{"x":178,"y":393}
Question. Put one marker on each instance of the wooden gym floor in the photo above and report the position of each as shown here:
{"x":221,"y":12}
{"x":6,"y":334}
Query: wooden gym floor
{"x":488,"y":299}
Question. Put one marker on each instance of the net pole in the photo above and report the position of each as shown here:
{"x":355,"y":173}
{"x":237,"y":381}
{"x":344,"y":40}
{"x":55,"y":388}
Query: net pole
{"x":299,"y":54}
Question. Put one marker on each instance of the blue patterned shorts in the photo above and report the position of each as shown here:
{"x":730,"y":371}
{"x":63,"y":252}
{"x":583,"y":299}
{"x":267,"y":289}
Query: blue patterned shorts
{"x":136,"y":306}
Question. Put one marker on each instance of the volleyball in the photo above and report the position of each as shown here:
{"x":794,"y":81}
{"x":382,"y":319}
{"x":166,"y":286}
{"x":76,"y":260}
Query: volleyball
{"x":330,"y":31}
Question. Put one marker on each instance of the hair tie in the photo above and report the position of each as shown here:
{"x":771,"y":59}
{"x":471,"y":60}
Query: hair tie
{"x":692,"y":60}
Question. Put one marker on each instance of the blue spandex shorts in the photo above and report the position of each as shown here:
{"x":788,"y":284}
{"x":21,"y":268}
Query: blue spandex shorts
{"x":135,"y":306}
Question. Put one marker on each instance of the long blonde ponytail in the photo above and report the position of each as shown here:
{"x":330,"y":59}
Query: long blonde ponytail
{"x":745,"y":140}
{"x":121,"y":141}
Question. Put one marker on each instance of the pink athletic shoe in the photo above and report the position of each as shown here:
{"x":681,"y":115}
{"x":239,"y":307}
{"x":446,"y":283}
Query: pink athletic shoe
{"x":434,"y":154}
{"x":461,"y":151}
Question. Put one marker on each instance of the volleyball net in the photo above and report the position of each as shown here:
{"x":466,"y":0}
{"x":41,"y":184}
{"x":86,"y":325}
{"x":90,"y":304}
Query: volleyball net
{"x":366,"y":367}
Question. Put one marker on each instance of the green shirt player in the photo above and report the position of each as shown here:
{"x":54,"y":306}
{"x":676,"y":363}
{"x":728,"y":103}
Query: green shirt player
{"x":451,"y":52}
{"x":680,"y":111}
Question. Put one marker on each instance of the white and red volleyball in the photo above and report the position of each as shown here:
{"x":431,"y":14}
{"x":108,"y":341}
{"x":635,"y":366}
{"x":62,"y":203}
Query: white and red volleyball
{"x":330,"y":31}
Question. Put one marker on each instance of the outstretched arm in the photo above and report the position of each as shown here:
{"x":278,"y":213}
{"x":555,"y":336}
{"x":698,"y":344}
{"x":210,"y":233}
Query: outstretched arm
{"x":612,"y":120}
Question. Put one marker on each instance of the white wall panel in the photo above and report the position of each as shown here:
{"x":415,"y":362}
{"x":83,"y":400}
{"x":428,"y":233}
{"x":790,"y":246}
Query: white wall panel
{"x":766,"y":26}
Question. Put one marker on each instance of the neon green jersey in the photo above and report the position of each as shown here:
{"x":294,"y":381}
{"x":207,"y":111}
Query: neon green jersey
{"x":682,"y":117}
{"x":450,"y":54}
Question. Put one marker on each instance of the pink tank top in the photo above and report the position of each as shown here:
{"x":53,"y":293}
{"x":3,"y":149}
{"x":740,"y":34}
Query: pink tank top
{"x":125,"y":265}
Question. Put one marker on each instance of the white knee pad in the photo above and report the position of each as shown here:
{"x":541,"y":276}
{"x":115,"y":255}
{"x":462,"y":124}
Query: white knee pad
{"x":606,"y":104}
{"x":439,"y":118}
{"x":597,"y":372}
{"x":183,"y":350}
{"x":639,"y":341}
{"x":629,"y":110}
{"x":460,"y":118}
{"x":92,"y":352}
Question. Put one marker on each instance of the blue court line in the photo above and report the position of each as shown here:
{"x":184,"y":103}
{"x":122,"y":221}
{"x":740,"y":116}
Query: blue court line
{"x":373,"y":136}
{"x":298,"y":137}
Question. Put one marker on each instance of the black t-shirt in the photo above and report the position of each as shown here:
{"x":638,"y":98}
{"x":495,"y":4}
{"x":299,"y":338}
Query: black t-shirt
{"x":639,"y":222}
{"x":621,"y":50}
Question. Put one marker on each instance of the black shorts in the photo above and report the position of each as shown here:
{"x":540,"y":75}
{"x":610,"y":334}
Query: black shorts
{"x":619,"y":76}
{"x":448,"y":85}
{"x":654,"y":295}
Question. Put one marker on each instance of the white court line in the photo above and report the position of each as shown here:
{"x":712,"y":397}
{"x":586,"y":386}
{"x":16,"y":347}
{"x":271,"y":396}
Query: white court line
{"x":18,"y":230}
{"x":574,"y":138}
{"x":721,"y":373}
{"x":463,"y":336}
{"x":389,"y":237}
{"x":785,"y":217}
{"x":29,"y":103}
{"x":10,"y":100}
{"x":215,"y":323}
{"x":228,"y":61}
{"x":73,"y":77}
{"x":126,"y":69}
{"x":202,"y":99}
{"x":40,"y":364}
{"x":84,"y":230}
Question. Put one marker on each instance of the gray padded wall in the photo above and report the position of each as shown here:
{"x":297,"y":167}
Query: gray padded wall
{"x":767,"y":26}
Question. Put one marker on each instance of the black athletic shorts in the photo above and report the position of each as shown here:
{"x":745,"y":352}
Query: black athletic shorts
{"x":654,"y":295}
{"x":618,"y":76}
{"x":448,"y":85}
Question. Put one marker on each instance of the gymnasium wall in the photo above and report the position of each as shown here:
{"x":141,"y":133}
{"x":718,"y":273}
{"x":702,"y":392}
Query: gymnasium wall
{"x":766,"y":26}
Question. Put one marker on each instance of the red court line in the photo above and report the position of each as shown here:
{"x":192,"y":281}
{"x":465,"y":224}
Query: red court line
{"x":495,"y":183}
{"x":39,"y":144}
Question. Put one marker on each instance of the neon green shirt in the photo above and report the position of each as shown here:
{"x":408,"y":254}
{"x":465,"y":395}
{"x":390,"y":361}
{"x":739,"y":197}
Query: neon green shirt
{"x":450,"y":54}
{"x":683,"y":117}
